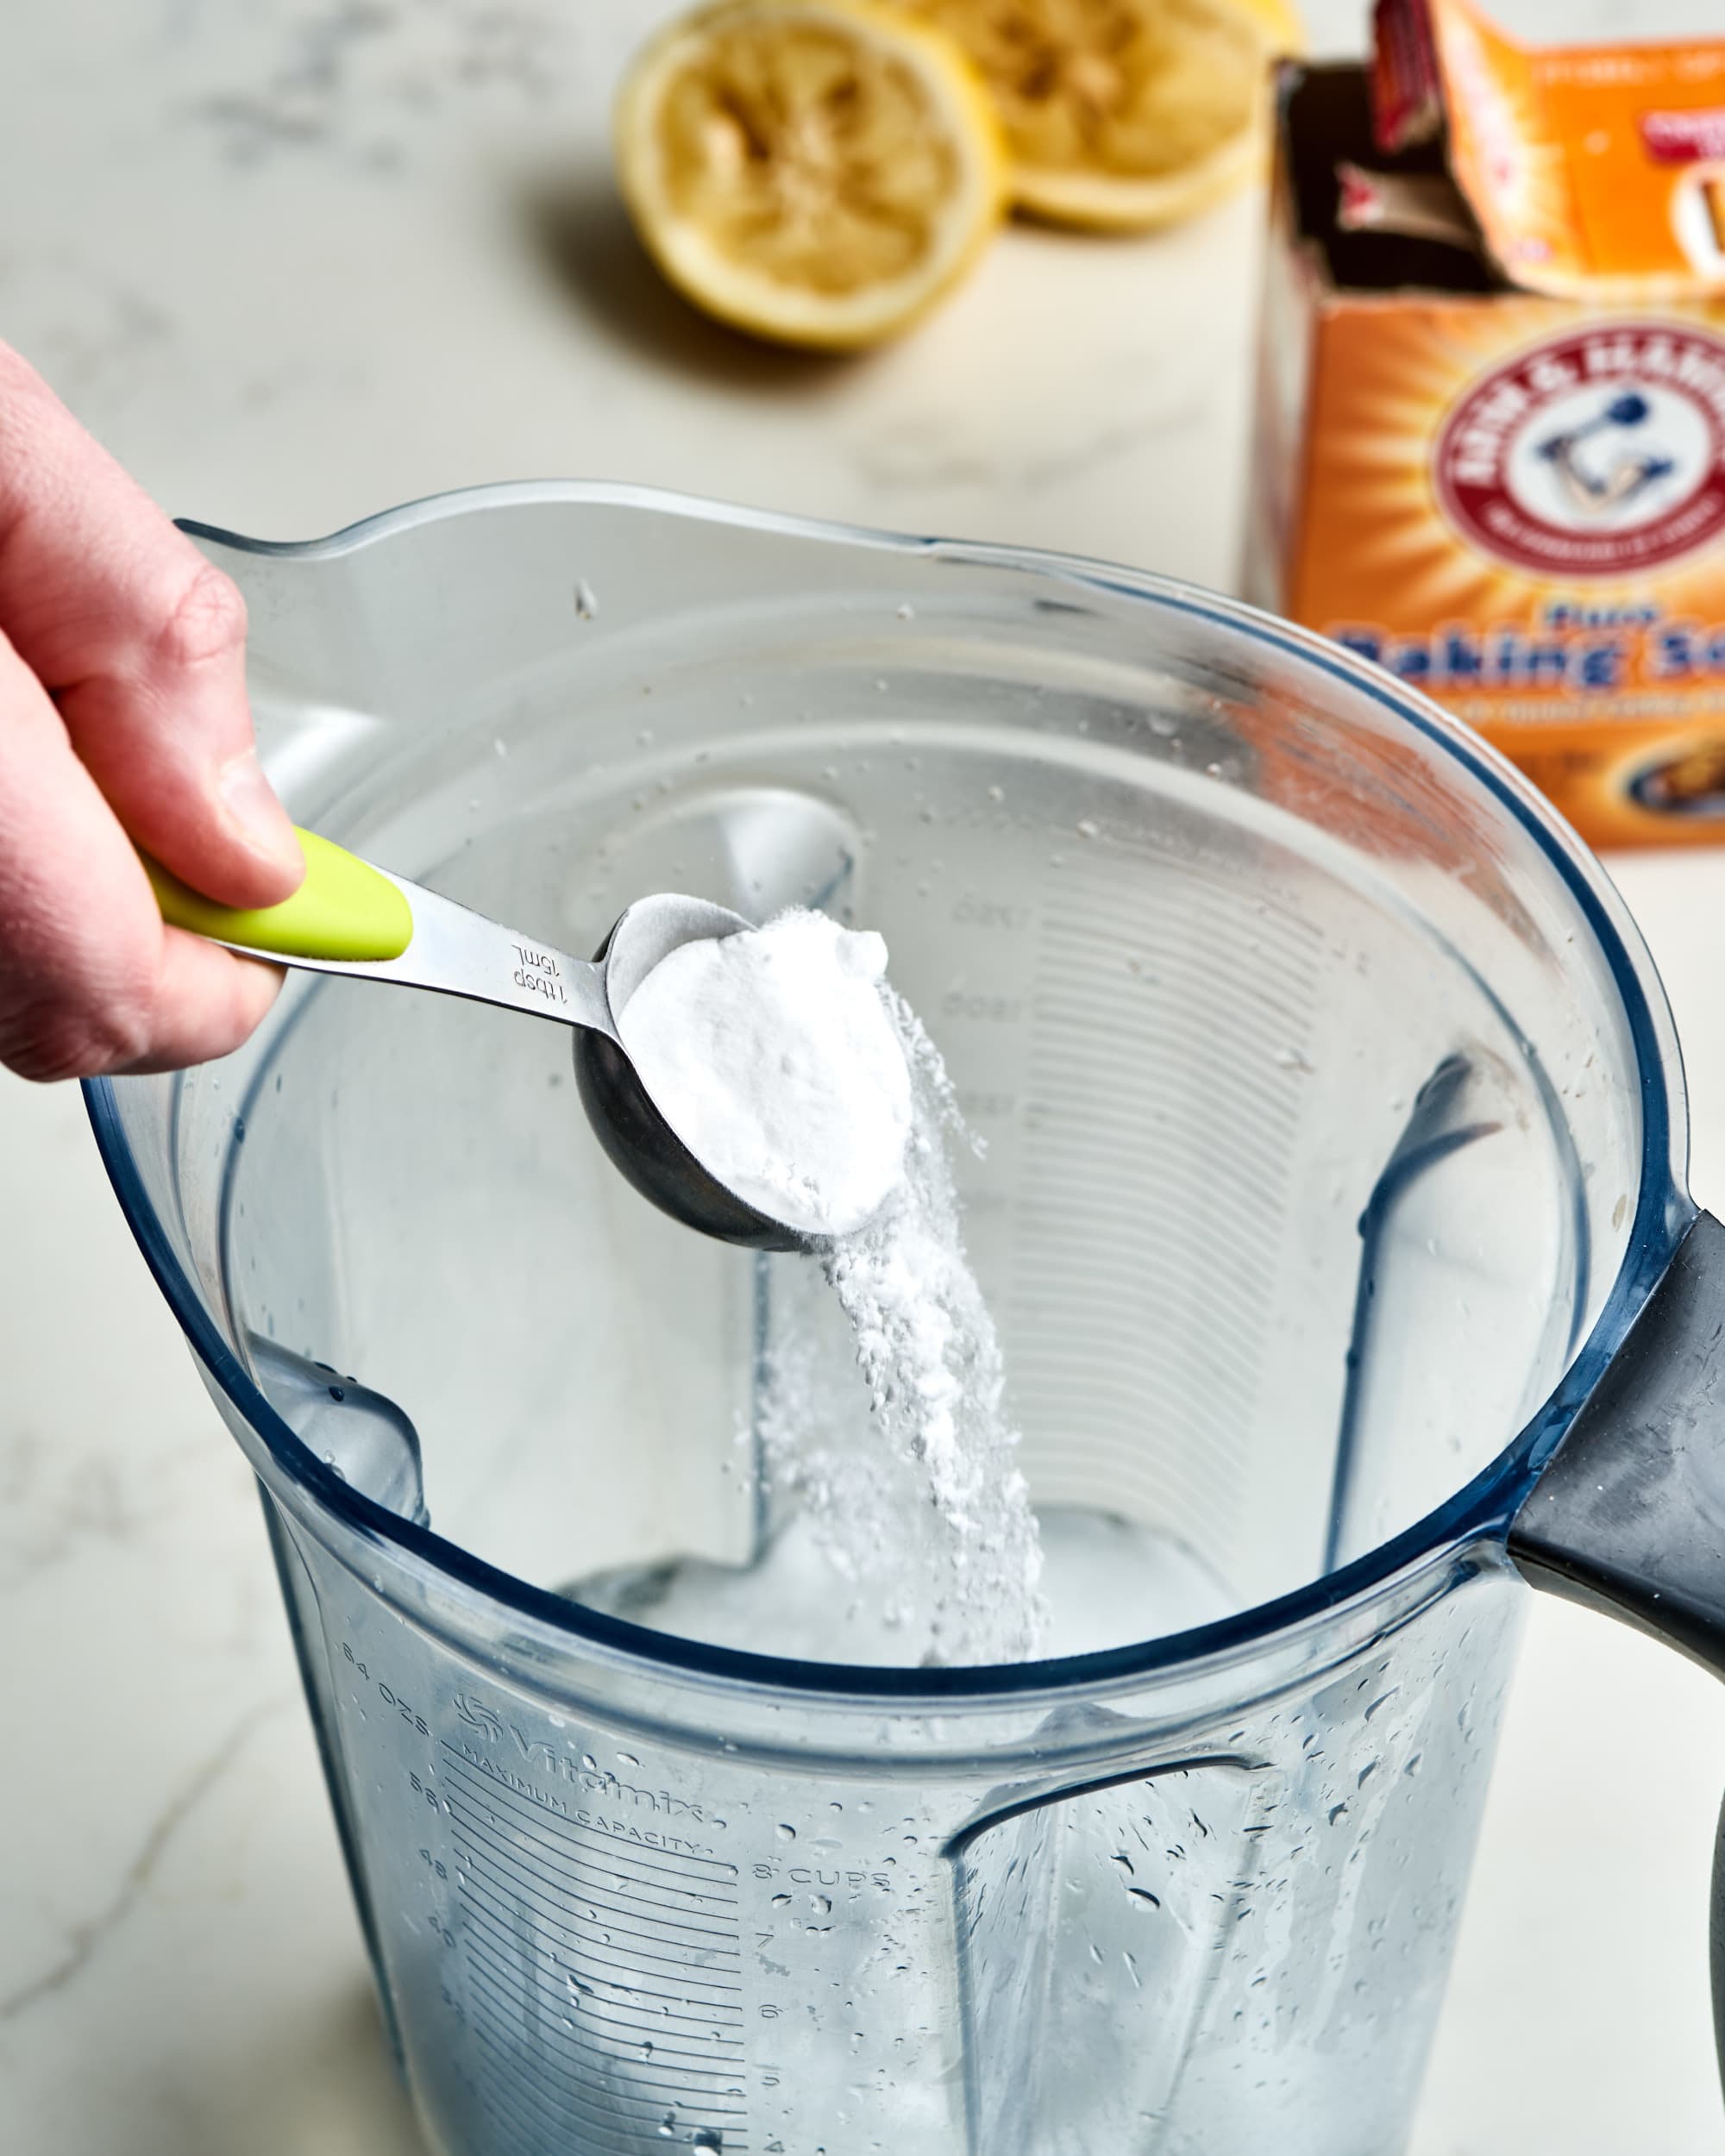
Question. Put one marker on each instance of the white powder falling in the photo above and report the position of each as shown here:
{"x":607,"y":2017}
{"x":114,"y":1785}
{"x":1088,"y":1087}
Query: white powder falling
{"x":785,"y":1064}
{"x":931,"y":1358}
{"x":772,"y":1055}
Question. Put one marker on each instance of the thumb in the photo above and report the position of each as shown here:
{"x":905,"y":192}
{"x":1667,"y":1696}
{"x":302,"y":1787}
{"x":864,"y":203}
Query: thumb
{"x":142,"y":643}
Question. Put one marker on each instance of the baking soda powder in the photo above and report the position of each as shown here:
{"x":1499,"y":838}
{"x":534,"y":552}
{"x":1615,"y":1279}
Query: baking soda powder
{"x":787,"y":1065}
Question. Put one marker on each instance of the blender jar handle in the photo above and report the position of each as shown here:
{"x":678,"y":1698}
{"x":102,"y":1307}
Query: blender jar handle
{"x":1628,"y":1516}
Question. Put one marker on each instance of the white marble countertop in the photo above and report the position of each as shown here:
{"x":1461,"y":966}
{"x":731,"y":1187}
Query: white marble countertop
{"x":297,"y":261}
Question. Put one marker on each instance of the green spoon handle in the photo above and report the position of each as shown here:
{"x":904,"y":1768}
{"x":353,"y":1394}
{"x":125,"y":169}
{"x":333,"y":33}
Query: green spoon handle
{"x":345,"y":910}
{"x":349,"y":917}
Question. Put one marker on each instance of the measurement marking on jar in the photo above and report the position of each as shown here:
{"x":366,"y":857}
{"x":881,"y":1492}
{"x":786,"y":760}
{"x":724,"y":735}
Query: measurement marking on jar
{"x":619,"y":2067}
{"x":571,"y":1842}
{"x":574,"y":1943}
{"x":1187,"y":1001}
{"x":510,"y":1937}
{"x":603,"y":1969}
{"x":635,"y":1991}
{"x":574,"y":1872}
{"x":586,"y":2101}
{"x":626,"y":2060}
{"x":516,"y":1870}
{"x":529,"y":2108}
{"x":697,"y":1978}
{"x":522,"y":2134}
{"x":672,"y":2030}
{"x":635,"y":2093}
{"x":591,"y":1898}
{"x":508,"y":2011}
{"x":551,"y":1813}
{"x":532,"y":2132}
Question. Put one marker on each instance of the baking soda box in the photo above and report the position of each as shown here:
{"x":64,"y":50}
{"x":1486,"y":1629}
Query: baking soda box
{"x":1491,"y":416}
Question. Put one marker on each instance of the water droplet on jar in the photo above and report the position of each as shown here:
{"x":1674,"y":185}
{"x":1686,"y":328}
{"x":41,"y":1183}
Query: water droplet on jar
{"x":907,"y":611}
{"x":645,"y":2048}
{"x":823,"y":1904}
{"x":627,"y":1759}
{"x":781,"y":1901}
{"x":785,"y":1833}
{"x":587,"y":602}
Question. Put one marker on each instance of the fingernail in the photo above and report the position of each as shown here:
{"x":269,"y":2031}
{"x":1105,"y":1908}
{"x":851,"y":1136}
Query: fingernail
{"x":251,"y":800}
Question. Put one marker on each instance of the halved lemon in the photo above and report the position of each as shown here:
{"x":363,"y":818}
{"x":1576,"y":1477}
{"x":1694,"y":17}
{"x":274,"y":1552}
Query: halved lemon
{"x":818,"y":172}
{"x":1124,"y":114}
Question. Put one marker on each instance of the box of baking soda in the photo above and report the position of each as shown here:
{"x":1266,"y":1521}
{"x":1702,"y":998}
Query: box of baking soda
{"x":1490,"y":448}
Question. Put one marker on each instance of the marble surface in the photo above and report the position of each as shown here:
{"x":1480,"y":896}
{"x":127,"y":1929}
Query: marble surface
{"x":296,"y":261}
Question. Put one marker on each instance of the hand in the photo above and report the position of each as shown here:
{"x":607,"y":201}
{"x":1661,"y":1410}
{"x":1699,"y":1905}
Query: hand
{"x":122,"y":718}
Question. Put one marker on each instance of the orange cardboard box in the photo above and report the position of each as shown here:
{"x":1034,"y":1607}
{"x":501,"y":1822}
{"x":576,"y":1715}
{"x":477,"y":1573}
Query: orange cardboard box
{"x":1490,"y":448}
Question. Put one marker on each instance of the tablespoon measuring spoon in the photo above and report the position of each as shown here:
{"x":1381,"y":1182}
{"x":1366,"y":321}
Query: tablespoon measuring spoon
{"x":351,"y":918}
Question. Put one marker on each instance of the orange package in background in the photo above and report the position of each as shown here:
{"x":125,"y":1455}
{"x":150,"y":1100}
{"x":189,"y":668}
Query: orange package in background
{"x":1594,"y":170}
{"x":1491,"y":413}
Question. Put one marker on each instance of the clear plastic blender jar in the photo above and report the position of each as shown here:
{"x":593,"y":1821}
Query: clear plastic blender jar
{"x":1332,"y":1214}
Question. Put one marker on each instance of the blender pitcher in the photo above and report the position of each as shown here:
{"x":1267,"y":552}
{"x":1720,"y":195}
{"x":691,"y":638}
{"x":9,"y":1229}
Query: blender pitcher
{"x":1332,"y":1214}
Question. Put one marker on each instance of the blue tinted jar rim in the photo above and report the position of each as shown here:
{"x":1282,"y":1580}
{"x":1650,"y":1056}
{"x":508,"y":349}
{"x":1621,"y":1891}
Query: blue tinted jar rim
{"x":1479,"y":1511}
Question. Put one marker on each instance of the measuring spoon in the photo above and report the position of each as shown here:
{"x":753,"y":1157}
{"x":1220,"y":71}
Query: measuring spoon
{"x":351,"y":918}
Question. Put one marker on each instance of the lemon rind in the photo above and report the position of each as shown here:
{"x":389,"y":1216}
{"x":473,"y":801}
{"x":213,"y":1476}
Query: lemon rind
{"x":766,"y":306}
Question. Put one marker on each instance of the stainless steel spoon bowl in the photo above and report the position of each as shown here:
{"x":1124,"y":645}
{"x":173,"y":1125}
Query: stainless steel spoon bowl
{"x":352,"y":918}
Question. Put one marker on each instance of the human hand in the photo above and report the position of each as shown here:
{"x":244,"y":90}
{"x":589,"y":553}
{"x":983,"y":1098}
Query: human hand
{"x":124,"y":718}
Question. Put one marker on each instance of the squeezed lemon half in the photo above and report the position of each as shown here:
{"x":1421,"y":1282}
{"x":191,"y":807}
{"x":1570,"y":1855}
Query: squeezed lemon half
{"x":1120,"y":114}
{"x":816,"y":172}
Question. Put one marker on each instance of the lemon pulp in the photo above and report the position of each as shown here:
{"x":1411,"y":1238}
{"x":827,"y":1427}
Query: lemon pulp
{"x":1123,"y":113}
{"x":813,"y":171}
